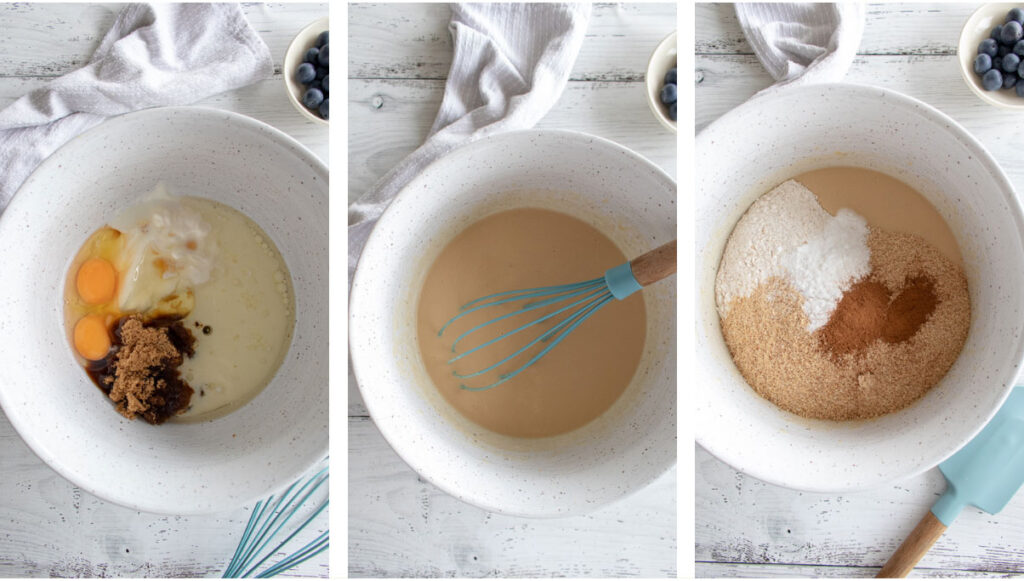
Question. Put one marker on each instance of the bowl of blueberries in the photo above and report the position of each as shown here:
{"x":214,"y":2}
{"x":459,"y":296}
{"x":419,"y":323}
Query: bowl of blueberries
{"x":991,"y":54}
{"x":660,"y":81}
{"x":306,"y":71}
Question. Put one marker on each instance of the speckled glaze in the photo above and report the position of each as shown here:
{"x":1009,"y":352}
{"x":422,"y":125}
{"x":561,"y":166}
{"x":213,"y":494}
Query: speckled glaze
{"x":174,"y":468}
{"x":293,"y":57}
{"x":774,"y":137}
{"x":977,"y":28}
{"x":612,"y":188}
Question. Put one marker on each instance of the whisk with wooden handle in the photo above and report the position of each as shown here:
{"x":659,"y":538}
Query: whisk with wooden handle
{"x":564,"y":308}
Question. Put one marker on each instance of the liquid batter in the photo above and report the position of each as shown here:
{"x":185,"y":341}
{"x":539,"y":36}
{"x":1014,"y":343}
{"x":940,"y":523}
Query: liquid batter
{"x":884,"y":201}
{"x":577,"y":380}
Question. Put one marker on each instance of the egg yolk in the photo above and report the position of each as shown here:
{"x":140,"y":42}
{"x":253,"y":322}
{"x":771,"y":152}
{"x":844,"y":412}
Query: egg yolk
{"x":96,"y":281}
{"x":92,"y":340}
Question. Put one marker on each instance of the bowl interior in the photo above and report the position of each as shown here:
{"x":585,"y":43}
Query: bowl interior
{"x":662,"y":59}
{"x":977,"y":28}
{"x":830,"y":125}
{"x":293,"y":58}
{"x":613,"y":189}
{"x":173,"y":468}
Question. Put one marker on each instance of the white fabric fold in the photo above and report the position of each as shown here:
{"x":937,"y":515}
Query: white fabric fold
{"x":153,"y":55}
{"x":801,"y":43}
{"x":511,"y":63}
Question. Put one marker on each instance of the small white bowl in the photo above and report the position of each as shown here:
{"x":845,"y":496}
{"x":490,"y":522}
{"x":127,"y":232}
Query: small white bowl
{"x":625,"y":196}
{"x":977,"y":28}
{"x":662,"y":59}
{"x":293,"y":58}
{"x":775,"y":137}
{"x":175,"y":468}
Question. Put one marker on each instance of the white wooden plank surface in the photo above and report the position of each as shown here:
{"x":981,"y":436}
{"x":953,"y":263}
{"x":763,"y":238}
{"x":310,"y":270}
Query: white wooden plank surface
{"x":746,"y":528}
{"x":400,"y":525}
{"x":48,"y":527}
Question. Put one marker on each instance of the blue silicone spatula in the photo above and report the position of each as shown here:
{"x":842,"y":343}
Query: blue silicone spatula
{"x":985,"y":473}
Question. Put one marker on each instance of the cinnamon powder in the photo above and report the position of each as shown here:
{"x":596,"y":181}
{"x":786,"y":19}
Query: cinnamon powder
{"x":892,"y":337}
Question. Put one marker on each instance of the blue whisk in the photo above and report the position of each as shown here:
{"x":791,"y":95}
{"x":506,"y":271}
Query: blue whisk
{"x":584,"y":299}
{"x":272,"y":518}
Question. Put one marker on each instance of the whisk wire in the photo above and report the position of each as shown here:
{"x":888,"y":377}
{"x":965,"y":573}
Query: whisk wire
{"x":593,"y":292}
{"x":563,"y":291}
{"x":579,"y":316}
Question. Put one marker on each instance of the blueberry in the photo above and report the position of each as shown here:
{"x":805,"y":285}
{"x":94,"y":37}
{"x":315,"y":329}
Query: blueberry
{"x":1020,"y":69}
{"x":992,"y":80}
{"x":322,"y":39}
{"x":313,"y":97}
{"x":997,"y":63}
{"x":1017,"y":14}
{"x":1004,"y":50}
{"x":1009,"y":80}
{"x":325,"y":109}
{"x":1010,"y":63}
{"x":669,"y":94}
{"x":988,"y":46}
{"x":1019,"y":87}
{"x":324,"y":84}
{"x":982,"y":63}
{"x":321,"y":72}
{"x":1011,"y":32}
{"x":324,"y":58}
{"x":997,"y":32}
{"x":313,"y":51}
{"x":672,"y":111}
{"x":305,"y":73}
{"x":1018,"y":49}
{"x":670,"y":76}
{"x":315,"y":84}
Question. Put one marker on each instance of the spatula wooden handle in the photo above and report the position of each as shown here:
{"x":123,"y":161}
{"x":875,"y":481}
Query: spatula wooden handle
{"x":655,"y":265}
{"x":917,"y":544}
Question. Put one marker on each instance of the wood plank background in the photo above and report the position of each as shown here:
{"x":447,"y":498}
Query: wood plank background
{"x":746,"y":528}
{"x":399,"y":525}
{"x":48,"y":526}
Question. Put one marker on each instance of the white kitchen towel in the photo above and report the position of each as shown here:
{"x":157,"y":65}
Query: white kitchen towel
{"x":803,"y":43}
{"x":153,"y":55}
{"x":510,"y":64}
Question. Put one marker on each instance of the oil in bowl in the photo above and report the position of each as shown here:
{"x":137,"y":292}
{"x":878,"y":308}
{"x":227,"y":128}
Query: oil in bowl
{"x":180,"y":308}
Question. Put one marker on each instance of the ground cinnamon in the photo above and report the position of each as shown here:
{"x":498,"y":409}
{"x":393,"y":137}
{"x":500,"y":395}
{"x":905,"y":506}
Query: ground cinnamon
{"x":868,"y":313}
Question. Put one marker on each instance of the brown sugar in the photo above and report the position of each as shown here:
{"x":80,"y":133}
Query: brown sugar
{"x":891,"y":338}
{"x":142,"y":376}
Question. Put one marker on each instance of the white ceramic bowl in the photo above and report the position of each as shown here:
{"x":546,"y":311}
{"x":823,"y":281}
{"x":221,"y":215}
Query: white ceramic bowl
{"x":293,"y":58}
{"x":770,"y":139}
{"x":977,"y":28}
{"x":174,"y":468}
{"x":662,"y":59}
{"x":614,"y":189}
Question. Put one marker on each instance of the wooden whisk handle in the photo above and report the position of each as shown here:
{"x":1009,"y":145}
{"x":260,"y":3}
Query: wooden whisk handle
{"x":655,"y":265}
{"x":913,"y":548}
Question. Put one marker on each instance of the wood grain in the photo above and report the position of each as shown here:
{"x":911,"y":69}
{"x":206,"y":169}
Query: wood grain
{"x":911,"y":550}
{"x":402,"y":526}
{"x":51,"y":528}
{"x":652,"y":266}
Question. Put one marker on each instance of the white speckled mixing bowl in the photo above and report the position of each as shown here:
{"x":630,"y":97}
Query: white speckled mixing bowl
{"x":174,"y":468}
{"x":612,"y":188}
{"x":770,"y":139}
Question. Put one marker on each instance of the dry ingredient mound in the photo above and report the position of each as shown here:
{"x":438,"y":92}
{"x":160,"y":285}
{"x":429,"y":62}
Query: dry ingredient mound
{"x":891,"y":336}
{"x":142,"y":374}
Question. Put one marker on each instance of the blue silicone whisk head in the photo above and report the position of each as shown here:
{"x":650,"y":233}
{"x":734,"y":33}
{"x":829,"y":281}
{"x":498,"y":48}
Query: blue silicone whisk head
{"x":561,"y":309}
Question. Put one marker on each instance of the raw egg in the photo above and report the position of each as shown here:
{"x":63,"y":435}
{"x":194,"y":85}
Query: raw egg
{"x":96,"y":281}
{"x":92,"y":340}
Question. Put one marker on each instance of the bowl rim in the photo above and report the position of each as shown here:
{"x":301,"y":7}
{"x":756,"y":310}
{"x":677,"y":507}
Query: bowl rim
{"x":966,"y":69}
{"x":22,"y":428}
{"x":392,"y":435}
{"x":670,"y":40}
{"x":289,"y":83}
{"x":1009,"y":196}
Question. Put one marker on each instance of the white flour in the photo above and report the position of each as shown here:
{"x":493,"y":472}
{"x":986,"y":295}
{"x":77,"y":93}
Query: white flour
{"x":787,"y":234}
